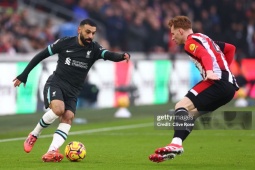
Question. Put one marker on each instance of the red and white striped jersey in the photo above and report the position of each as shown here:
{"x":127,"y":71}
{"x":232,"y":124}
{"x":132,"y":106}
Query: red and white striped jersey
{"x":207,"y":55}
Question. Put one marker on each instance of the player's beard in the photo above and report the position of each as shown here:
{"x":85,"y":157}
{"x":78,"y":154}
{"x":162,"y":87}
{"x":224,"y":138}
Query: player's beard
{"x":84,"y":40}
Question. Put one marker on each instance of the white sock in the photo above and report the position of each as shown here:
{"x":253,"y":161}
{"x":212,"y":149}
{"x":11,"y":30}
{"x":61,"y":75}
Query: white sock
{"x":177,"y":141}
{"x":59,"y":136}
{"x":47,"y":119}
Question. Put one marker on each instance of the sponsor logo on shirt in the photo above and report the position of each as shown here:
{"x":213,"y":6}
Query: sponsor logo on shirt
{"x":76,"y":63}
{"x":68,"y":61}
{"x":192,"y":47}
{"x":79,"y":64}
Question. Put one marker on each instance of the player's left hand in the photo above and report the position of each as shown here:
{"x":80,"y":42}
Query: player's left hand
{"x":210,"y":75}
{"x":17,"y":82}
{"x":127,"y":57}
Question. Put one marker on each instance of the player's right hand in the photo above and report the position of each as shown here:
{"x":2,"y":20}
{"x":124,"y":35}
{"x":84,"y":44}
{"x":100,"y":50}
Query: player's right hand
{"x":210,"y":75}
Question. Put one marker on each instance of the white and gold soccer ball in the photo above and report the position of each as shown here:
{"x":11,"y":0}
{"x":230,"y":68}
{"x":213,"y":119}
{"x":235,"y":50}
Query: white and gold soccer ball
{"x":75,"y":151}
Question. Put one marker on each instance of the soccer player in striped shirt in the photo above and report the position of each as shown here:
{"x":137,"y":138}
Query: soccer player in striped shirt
{"x":215,"y":90}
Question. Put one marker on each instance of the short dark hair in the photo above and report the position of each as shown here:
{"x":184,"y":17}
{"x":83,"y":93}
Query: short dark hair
{"x":88,"y":22}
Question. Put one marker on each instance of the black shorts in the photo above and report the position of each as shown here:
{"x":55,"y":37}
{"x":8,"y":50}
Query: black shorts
{"x":56,"y":90}
{"x":209,"y":95}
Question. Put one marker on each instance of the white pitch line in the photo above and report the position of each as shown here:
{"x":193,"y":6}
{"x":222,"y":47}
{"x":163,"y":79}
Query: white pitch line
{"x":113,"y":128}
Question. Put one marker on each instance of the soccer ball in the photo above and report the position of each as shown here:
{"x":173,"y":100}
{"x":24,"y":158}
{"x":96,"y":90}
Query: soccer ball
{"x":75,"y":151}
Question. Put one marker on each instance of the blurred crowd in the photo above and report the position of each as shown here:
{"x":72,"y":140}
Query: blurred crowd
{"x":137,"y":25}
{"x":18,"y":35}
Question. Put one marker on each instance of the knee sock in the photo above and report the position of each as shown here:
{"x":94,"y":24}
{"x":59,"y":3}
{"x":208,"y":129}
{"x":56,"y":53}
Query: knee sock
{"x":181,"y":134}
{"x":47,"y":119}
{"x":59,"y":136}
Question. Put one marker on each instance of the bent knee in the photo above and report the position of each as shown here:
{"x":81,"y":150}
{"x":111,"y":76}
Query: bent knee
{"x":67,"y":117}
{"x":185,"y":103}
{"x":179,"y":105}
{"x":58,"y":109}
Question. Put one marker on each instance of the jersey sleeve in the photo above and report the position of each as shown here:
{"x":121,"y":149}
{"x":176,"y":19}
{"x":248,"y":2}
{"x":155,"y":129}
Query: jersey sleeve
{"x":99,"y":51}
{"x":197,"y":50}
{"x":56,"y":46}
{"x":228,"y":50}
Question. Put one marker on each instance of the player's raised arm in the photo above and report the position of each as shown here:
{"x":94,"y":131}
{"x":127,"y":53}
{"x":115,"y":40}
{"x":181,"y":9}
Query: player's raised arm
{"x":103,"y":53}
{"x":22,"y":78}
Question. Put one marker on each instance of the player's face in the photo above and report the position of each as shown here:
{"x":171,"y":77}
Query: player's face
{"x":86,"y":34}
{"x":177,"y":35}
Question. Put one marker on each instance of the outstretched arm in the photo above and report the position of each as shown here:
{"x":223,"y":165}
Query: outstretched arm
{"x":22,"y":78}
{"x":116,"y":57}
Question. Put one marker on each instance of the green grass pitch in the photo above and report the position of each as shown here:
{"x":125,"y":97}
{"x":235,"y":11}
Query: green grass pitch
{"x":125,"y":143}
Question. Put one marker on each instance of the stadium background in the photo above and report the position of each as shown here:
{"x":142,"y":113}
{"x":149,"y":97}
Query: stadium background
{"x":159,"y":70}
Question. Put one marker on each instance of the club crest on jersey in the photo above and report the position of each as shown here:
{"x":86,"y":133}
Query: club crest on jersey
{"x":88,"y":54}
{"x":54,"y":94}
{"x":192,"y":47}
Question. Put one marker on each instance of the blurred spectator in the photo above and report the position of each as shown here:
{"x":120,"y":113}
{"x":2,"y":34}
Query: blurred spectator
{"x":50,"y":31}
{"x":251,"y":37}
{"x":115,"y":27}
{"x":251,"y":29}
{"x":68,"y":29}
{"x":6,"y":44}
{"x":206,"y":22}
{"x":79,"y":11}
{"x":197,"y":8}
{"x":237,"y":35}
{"x":154,"y":42}
{"x":137,"y":34}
